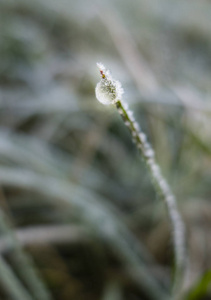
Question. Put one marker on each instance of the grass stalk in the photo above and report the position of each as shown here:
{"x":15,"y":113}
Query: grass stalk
{"x":109,"y":91}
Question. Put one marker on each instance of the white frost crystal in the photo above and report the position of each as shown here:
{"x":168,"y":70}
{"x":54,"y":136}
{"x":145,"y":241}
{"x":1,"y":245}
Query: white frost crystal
{"x":108,"y":91}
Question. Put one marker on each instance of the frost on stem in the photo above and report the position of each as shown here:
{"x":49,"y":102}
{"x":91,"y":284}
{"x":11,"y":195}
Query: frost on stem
{"x":108,"y":91}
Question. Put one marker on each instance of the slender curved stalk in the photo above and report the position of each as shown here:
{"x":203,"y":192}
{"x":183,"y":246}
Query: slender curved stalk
{"x":109,"y":91}
{"x":164,"y":191}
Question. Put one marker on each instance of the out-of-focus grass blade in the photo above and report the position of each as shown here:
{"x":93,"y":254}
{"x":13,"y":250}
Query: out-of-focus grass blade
{"x":200,"y":289}
{"x":11,"y":284}
{"x":22,"y":262}
{"x":103,"y":219}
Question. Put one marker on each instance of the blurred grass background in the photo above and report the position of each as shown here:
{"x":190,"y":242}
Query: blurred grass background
{"x":79,"y":218}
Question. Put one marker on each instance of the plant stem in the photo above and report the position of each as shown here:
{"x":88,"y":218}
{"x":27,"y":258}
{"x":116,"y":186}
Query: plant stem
{"x":164,"y":191}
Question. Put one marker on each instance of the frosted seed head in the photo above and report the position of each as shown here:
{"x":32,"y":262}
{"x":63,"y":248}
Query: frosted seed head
{"x":108,"y":91}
